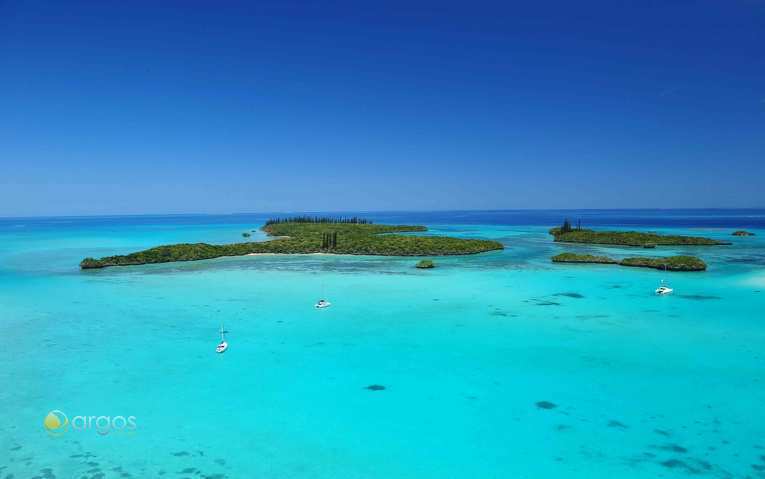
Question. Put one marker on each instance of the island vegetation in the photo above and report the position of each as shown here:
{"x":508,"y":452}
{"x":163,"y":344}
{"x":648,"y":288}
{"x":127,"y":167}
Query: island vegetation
{"x":670,"y":263}
{"x":425,"y":264}
{"x":355,"y":220}
{"x":743,"y":233}
{"x":568,"y":234}
{"x":304,"y":235}
{"x":582,"y":258}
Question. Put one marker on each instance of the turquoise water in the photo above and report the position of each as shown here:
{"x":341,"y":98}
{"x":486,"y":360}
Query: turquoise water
{"x":638,"y":385}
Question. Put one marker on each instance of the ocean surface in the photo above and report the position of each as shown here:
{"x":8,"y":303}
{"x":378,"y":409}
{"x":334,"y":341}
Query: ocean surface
{"x":499,"y":365}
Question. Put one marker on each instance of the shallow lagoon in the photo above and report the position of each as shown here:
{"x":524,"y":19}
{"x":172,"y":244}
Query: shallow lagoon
{"x":495,"y":365}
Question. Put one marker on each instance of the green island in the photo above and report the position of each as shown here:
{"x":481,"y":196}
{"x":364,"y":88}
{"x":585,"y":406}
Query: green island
{"x":425,"y":264}
{"x":582,"y":258}
{"x":306,"y":235}
{"x":670,"y":263}
{"x":568,"y":234}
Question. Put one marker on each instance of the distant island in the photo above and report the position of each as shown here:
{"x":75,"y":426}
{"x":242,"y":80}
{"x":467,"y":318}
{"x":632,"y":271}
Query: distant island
{"x":306,"y":235}
{"x":582,"y":258}
{"x":743,"y":233}
{"x":568,"y":234}
{"x":670,"y":263}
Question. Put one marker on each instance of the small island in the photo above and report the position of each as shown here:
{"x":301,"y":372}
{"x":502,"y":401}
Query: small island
{"x":582,"y":258}
{"x":307,"y":235}
{"x":670,"y":263}
{"x":568,"y":234}
{"x":425,"y":264}
{"x":743,"y":233}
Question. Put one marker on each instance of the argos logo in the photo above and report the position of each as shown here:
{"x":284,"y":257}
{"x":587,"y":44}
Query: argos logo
{"x":57,"y":423}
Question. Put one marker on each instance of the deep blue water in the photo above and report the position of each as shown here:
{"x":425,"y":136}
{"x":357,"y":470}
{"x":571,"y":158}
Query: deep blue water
{"x":721,"y":218}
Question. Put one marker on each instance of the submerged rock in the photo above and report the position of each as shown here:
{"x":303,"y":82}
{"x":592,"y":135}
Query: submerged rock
{"x":546,"y":405}
{"x":615,"y":423}
{"x":544,"y":302}
{"x":673,"y":448}
{"x":375,"y":387}
{"x":571,"y":295}
{"x":699,"y":297}
{"x":678,"y":464}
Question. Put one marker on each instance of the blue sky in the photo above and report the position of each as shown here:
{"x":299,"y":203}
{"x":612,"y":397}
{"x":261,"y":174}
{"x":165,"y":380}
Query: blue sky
{"x":171,"y":107}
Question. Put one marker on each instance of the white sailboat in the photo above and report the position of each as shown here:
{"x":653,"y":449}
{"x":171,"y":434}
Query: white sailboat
{"x":322,"y":303}
{"x":663,"y":289}
{"x":223,"y":345}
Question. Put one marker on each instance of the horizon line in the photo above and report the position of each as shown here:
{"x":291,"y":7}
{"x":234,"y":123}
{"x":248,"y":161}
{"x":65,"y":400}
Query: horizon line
{"x":138,"y":215}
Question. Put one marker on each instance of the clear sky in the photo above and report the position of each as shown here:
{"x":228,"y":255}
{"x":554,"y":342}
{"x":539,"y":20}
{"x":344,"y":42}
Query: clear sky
{"x":133,"y":107}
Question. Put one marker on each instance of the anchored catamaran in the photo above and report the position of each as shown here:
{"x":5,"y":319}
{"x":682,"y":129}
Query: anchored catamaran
{"x":223,"y":345}
{"x":322,"y":303}
{"x":663,"y":289}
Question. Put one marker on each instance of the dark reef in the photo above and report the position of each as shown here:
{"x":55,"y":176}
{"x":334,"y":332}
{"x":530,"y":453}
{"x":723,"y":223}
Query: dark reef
{"x":546,"y":405}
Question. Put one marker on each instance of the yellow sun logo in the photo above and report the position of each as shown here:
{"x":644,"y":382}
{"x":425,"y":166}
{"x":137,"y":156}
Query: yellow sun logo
{"x":55,"y":422}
